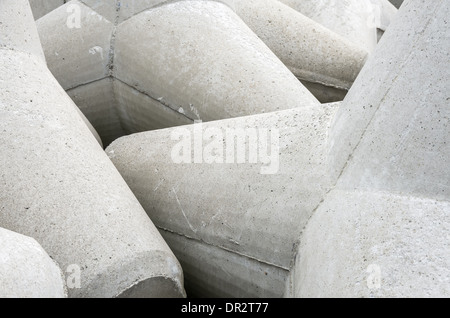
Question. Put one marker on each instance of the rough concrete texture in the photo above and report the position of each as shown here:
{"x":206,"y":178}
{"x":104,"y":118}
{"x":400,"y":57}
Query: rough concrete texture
{"x":345,"y":200}
{"x":383,"y":231}
{"x":26,"y":270}
{"x":352,"y":19}
{"x":313,"y":53}
{"x":58,"y":186}
{"x":195,"y":79}
{"x":366,"y":215}
{"x":256,"y":218}
{"x":42,"y":7}
{"x":411,"y":153}
{"x":18,"y":37}
{"x":331,"y":61}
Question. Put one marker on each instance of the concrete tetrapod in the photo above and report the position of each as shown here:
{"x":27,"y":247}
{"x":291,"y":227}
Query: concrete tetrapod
{"x":233,"y":221}
{"x":383,"y":231}
{"x":26,"y":270}
{"x":135,"y":71}
{"x":352,"y":19}
{"x":375,"y":185}
{"x":325,"y":62}
{"x":58,"y":186}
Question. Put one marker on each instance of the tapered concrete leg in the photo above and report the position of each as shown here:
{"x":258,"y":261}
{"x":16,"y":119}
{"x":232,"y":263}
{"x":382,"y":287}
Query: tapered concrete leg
{"x":383,"y":231}
{"x":234,"y":226}
{"x":26,"y":270}
{"x":353,"y":19}
{"x":58,"y":186}
{"x":164,"y":74}
{"x":325,"y":62}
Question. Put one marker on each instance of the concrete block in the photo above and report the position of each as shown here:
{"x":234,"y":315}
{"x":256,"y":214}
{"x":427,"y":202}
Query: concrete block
{"x":394,"y":122}
{"x":375,"y":244}
{"x":383,"y":230}
{"x":325,"y":62}
{"x":230,"y":214}
{"x":58,"y":186}
{"x":19,"y":37}
{"x":77,"y":52}
{"x":26,"y":270}
{"x":222,"y":70}
{"x":193,"y":80}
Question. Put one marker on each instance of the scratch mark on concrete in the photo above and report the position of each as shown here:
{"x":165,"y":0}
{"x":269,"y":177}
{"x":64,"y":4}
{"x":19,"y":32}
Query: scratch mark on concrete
{"x":182,"y":211}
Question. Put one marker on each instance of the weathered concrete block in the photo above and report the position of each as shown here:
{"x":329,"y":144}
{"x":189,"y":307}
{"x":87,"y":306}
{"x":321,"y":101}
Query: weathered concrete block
{"x":383,"y":231}
{"x":326,"y":63}
{"x":58,"y":186}
{"x":20,"y":37}
{"x":222,"y":70}
{"x":42,"y":7}
{"x":375,"y":244}
{"x":230,"y":215}
{"x":376,"y":221}
{"x":77,"y":52}
{"x":176,"y":75}
{"x":26,"y":270}
{"x":396,"y":110}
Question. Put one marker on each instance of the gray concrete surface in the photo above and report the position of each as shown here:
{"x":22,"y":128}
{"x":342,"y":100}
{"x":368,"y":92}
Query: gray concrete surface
{"x":352,"y":19}
{"x":313,"y":53}
{"x":344,"y":200}
{"x":231,"y":216}
{"x":58,"y":186}
{"x":42,"y":7}
{"x":359,"y":206}
{"x":26,"y":270}
{"x":195,"y":79}
{"x":383,"y":230}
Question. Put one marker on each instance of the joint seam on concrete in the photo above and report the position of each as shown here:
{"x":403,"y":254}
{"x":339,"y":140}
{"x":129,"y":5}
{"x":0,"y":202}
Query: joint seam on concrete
{"x":223,"y":248}
{"x":154,"y":99}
